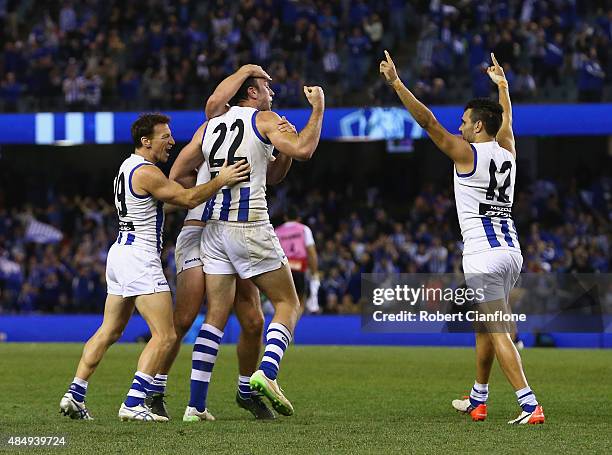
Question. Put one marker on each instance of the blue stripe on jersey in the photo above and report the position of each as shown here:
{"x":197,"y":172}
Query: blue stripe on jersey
{"x":243,"y":205}
{"x":130,"y":181}
{"x":159,"y":224}
{"x":225,"y":205}
{"x":130,"y":239}
{"x":515,"y":231}
{"x":491,"y":237}
{"x":469,"y":174}
{"x":257,"y":133}
{"x":119,"y":239}
{"x":506,"y":232}
{"x":208,"y":209}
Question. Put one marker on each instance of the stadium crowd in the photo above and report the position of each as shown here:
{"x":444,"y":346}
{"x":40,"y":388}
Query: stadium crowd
{"x":98,"y":55}
{"x":59,"y":266}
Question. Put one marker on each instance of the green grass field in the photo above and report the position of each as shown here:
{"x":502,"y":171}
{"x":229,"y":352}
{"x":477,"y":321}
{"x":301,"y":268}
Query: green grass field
{"x":347,"y":400}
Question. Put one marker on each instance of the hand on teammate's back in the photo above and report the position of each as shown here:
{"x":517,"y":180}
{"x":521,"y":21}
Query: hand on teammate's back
{"x":255,"y":71}
{"x":387,"y":69}
{"x":234,"y":173}
{"x":315,"y":96}
{"x":496,"y":72}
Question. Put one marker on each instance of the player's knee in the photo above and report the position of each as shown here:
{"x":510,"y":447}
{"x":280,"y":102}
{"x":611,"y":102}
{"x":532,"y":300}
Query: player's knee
{"x":167,"y":340}
{"x":253,"y":326}
{"x":110,"y":336}
{"x":182,"y":326}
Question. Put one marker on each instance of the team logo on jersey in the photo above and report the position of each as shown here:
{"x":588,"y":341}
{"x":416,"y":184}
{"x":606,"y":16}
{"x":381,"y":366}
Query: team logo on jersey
{"x":126,"y":226}
{"x":495,"y":211}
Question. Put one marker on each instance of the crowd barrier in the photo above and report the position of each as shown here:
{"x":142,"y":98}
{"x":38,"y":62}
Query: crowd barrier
{"x":311,"y":330}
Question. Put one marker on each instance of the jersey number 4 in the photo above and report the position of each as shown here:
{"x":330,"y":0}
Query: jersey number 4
{"x":221,"y":129}
{"x":501,"y":196}
{"x":120,"y":195}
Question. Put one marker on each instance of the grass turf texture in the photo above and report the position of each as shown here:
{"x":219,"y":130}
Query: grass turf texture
{"x":347,"y":400}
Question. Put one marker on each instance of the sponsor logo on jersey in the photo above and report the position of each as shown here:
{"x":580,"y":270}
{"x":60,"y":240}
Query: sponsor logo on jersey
{"x":189,"y":261}
{"x":126,"y":226}
{"x":496,"y":211}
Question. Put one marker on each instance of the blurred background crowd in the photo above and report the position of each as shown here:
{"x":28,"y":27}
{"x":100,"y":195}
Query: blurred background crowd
{"x":59,"y":266}
{"x":93,"y":55}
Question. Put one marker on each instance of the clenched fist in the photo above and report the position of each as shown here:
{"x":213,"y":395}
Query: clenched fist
{"x":315,"y":96}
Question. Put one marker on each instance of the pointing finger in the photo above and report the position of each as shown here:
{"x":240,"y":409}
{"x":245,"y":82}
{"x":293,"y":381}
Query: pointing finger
{"x":388,"y":56}
{"x":494,"y":60}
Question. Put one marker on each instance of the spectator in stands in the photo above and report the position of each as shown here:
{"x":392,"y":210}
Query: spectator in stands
{"x":10,"y":92}
{"x":591,"y":78}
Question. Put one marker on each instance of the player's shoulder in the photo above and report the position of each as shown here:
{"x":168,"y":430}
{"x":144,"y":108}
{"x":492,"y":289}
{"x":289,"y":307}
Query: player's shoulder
{"x":267,"y":116}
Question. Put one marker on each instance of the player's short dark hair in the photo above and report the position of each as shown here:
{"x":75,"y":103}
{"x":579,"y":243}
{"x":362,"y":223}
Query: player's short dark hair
{"x":489,"y":112}
{"x":243,"y":92}
{"x":144,"y":125}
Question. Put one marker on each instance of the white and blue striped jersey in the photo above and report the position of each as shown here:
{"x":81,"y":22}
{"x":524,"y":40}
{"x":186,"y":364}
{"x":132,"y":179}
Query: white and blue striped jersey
{"x":233,"y":136}
{"x":197,"y":213}
{"x":141,"y":218}
{"x":484,"y":200}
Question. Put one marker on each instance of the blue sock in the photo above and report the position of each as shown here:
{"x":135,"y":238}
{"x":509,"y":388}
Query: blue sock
{"x":138,"y":392}
{"x":159,"y":384}
{"x":526,"y":399}
{"x":479,"y":394}
{"x":278,"y":338}
{"x":203,"y":359}
{"x":78,"y":389}
{"x":244,"y":389}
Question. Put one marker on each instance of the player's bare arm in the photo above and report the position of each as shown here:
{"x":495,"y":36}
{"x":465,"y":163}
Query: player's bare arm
{"x":189,"y":159}
{"x":505,"y":136}
{"x":278,"y":169}
{"x":150,"y":179}
{"x":453,"y":146}
{"x":217,"y":102}
{"x":302,"y":145}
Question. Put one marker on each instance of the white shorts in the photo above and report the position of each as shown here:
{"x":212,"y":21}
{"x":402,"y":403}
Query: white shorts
{"x":495,"y":272}
{"x":248,"y":249}
{"x":187,"y":250}
{"x":132,"y":271}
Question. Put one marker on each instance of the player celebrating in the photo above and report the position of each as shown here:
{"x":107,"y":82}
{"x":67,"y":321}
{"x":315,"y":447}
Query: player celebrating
{"x":134,"y":272}
{"x":298,"y":244}
{"x":239,"y":238}
{"x":485,"y":170}
{"x":190,"y":279}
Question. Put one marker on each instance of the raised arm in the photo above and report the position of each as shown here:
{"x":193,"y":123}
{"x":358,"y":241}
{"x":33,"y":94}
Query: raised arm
{"x":151,"y":180}
{"x":277,"y":169}
{"x":505,"y":136}
{"x":302,"y":145}
{"x":216,"y":104}
{"x":453,"y":146}
{"x":188,"y":160}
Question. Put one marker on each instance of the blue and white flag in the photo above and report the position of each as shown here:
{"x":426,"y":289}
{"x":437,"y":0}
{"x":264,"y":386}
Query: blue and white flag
{"x":38,"y":232}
